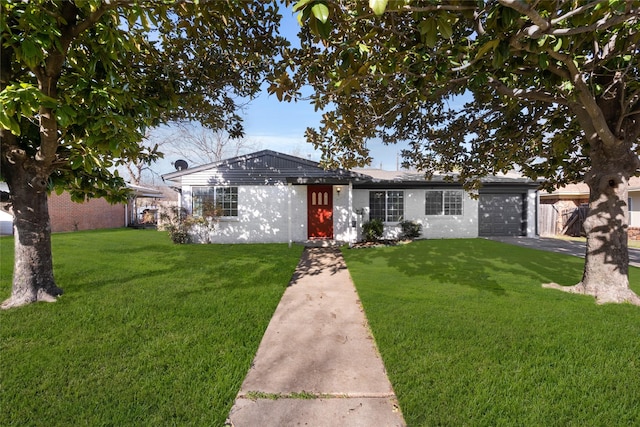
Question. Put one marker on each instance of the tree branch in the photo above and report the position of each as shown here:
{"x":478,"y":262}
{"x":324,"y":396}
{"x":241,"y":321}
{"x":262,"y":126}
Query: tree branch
{"x":540,"y":23}
{"x":599,"y":25}
{"x":91,"y":19}
{"x":525,"y":94}
{"x":49,"y":74}
{"x":541,"y":26}
{"x":577,"y":11}
{"x":587,"y":100}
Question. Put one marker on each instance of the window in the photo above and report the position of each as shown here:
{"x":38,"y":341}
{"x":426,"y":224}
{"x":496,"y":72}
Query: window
{"x":387,"y":206}
{"x":224,"y":198}
{"x":447,"y":202}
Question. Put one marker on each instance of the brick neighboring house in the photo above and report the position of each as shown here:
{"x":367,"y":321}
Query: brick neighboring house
{"x":66,"y":215}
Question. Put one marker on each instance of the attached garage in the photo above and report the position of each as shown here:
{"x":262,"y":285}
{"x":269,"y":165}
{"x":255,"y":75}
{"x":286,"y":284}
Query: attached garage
{"x":502,"y":215}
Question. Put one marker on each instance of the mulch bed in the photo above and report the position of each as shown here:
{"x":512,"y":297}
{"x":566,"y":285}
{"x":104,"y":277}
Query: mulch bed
{"x":378,"y":243}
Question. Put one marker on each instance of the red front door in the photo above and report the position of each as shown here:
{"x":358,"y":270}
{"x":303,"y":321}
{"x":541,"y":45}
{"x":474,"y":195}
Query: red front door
{"x":320,"y":211}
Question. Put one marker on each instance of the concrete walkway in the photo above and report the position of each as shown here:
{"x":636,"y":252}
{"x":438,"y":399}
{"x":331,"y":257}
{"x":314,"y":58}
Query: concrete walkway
{"x":317,"y":364}
{"x":569,"y":247}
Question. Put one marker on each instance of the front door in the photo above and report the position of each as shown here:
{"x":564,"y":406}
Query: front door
{"x":320,"y":211}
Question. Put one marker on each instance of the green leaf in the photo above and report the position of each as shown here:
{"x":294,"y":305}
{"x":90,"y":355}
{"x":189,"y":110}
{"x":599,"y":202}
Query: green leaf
{"x":429,"y":31}
{"x":558,"y":45}
{"x":324,"y":29}
{"x":321,"y":12}
{"x":30,"y":53}
{"x":9,"y":123}
{"x":378,"y":6}
{"x":490,"y":45}
{"x":432,"y":39}
{"x":543,"y":61}
{"x":301,"y":5}
{"x":445,"y":27}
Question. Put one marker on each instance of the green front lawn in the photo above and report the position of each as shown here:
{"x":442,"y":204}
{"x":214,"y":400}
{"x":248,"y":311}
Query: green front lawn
{"x":151,"y":333}
{"x":469,"y":337}
{"x":147,"y":332}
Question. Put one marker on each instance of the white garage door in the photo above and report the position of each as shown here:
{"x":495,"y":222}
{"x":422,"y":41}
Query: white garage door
{"x":501,"y":215}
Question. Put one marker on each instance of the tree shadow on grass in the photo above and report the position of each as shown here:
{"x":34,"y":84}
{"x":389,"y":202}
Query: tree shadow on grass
{"x":184,"y":269}
{"x":480,"y":264}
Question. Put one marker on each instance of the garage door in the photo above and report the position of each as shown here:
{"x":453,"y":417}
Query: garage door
{"x":501,"y":215}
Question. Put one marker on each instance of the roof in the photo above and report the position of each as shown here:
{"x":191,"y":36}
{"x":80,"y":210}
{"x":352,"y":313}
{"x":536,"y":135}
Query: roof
{"x":406,"y":179}
{"x":270,"y":167}
{"x":267,"y":167}
{"x":139,"y":191}
{"x":582,"y":190}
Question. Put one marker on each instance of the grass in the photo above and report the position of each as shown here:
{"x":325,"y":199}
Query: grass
{"x":635,"y":244}
{"x":469,"y":337}
{"x":147,"y":332}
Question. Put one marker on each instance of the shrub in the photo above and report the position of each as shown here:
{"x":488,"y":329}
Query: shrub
{"x":174,"y":222}
{"x":181,"y":226}
{"x":372,"y":230}
{"x":410,"y":229}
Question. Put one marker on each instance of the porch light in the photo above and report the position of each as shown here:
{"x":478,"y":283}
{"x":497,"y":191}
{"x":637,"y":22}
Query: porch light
{"x":338,"y":190}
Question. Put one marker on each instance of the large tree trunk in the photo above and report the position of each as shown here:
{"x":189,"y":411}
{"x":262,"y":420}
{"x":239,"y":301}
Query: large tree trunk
{"x":606,"y":266}
{"x":33,"y":266}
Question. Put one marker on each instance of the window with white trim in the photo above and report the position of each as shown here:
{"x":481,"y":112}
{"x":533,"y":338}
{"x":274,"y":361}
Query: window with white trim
{"x":443,"y":202}
{"x":387,"y":206}
{"x":223,"y":198}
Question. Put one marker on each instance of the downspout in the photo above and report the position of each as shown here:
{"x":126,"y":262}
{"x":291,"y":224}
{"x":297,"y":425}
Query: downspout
{"x":289,"y":212}
{"x":537,"y":213}
{"x":351,"y":224}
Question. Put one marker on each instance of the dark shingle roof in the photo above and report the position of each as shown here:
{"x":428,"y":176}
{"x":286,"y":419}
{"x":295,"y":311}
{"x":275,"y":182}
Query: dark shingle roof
{"x":268,"y":167}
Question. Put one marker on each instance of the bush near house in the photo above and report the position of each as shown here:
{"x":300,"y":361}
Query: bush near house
{"x":410,"y":229}
{"x":184,"y":228}
{"x":372,"y":230}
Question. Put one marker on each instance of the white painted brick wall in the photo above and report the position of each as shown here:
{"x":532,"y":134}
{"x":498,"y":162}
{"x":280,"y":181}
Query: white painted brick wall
{"x":433,"y":226}
{"x":263,"y":215}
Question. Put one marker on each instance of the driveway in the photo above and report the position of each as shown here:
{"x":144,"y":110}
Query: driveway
{"x":569,"y":247}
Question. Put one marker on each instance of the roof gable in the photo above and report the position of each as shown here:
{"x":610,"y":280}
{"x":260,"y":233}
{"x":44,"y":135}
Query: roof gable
{"x":263,"y":168}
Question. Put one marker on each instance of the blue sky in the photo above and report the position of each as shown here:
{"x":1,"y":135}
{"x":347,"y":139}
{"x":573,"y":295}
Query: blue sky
{"x":280,"y":126}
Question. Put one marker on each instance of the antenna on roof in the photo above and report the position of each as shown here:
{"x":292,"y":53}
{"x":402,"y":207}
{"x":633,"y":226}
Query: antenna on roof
{"x":181,"y":165}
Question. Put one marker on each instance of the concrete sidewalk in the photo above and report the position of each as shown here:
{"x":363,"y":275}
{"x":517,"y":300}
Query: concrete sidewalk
{"x":317,"y":364}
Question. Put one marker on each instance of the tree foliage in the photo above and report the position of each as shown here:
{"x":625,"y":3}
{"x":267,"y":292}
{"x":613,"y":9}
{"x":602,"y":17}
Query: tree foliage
{"x":82,"y":81}
{"x":551,"y":88}
{"x":544,"y":84}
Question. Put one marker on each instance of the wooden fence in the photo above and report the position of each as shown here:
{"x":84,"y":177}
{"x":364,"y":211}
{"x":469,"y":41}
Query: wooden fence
{"x":553,"y":222}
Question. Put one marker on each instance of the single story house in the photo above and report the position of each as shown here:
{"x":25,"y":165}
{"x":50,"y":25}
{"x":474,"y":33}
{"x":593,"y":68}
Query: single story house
{"x":273,"y":197}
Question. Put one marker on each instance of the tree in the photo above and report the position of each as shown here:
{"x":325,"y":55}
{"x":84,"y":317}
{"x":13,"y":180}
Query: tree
{"x":137,"y":167}
{"x":551,"y":88}
{"x":200,"y":145}
{"x":80,"y":81}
